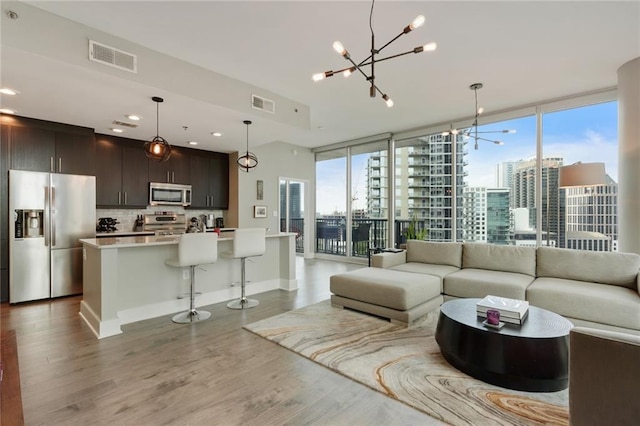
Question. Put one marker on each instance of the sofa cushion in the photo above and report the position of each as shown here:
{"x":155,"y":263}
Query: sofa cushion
{"x":620,"y":269}
{"x":384,"y":287}
{"x":601,"y":303}
{"x":520,"y":260}
{"x":435,"y":253}
{"x":480,"y":283}
{"x":427,"y":268}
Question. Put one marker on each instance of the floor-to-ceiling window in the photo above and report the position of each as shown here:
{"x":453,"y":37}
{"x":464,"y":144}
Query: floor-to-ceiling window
{"x":369,"y":197}
{"x":423,"y":186}
{"x":499,"y":202}
{"x":331,"y":201}
{"x":505,"y":193}
{"x":586,"y":216}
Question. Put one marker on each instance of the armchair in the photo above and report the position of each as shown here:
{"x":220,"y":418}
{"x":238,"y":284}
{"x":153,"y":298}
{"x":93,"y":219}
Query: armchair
{"x":604,"y":377}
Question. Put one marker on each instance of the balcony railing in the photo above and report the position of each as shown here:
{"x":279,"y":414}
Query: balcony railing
{"x":366,"y":234}
{"x":295,"y":225}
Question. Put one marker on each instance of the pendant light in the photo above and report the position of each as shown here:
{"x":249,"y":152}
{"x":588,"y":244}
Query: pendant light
{"x":158,"y":148}
{"x":248,"y":161}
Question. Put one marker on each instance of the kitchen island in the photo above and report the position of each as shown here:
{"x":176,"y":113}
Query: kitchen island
{"x":126,"y":280}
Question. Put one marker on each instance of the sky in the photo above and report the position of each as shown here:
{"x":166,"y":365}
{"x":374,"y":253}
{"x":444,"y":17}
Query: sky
{"x":586,"y":134}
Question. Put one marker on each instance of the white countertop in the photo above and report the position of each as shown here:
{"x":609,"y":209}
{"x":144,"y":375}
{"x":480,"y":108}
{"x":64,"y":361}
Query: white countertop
{"x":150,"y":240}
{"x":142,"y":233}
{"x":124,"y":233}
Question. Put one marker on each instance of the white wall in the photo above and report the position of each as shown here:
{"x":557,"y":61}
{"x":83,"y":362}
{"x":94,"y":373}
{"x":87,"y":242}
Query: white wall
{"x":275,"y":160}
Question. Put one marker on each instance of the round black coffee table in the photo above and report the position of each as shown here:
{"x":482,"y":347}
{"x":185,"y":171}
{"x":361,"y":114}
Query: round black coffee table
{"x":532,"y":357}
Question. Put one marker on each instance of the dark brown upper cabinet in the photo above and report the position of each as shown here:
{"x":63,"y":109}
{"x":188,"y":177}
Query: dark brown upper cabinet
{"x":210,"y":180}
{"x":43,"y":146}
{"x":122,"y":174}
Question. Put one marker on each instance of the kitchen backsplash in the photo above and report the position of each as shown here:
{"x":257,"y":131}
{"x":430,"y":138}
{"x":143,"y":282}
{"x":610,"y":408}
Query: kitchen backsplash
{"x":127,"y":217}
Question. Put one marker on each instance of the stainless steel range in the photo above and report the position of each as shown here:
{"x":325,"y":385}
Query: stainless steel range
{"x":165,"y":223}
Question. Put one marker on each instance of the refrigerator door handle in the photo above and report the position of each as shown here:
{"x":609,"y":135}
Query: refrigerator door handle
{"x":46,"y":216}
{"x":52,"y":210}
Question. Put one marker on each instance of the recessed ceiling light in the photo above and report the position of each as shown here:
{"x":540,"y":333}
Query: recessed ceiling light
{"x":117,"y":130}
{"x":216,"y":134}
{"x":8,"y":91}
{"x":134,"y":117}
{"x":7,"y":111}
{"x":193,"y":143}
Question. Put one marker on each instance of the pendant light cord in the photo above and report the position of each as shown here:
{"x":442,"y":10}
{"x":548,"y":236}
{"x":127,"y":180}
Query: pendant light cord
{"x":371,"y":16}
{"x":157,"y":119}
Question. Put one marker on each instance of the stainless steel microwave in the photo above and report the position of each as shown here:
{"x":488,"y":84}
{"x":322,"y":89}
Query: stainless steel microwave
{"x":170,"y":194}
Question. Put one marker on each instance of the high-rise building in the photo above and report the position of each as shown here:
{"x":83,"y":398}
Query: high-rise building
{"x":486,"y":215}
{"x":505,"y":172}
{"x":524,"y":196}
{"x":377,"y":184}
{"x":295,"y":200}
{"x":423,"y":183}
{"x":591,"y":216}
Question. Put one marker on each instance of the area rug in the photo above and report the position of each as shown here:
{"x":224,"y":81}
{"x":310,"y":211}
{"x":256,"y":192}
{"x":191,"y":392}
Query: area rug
{"x":405,"y":363}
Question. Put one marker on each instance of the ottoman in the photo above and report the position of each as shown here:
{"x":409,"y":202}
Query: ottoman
{"x":402,"y":297}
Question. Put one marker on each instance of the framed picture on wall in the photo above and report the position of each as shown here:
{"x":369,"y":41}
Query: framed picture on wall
{"x":259,"y":211}
{"x":260,"y":190}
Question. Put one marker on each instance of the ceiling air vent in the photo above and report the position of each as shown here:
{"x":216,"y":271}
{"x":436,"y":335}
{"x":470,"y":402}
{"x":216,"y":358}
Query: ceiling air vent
{"x":113,"y":57}
{"x":124,"y":124}
{"x":263,"y":104}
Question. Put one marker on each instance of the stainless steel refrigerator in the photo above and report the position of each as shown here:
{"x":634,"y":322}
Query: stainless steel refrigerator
{"x":49,"y":213}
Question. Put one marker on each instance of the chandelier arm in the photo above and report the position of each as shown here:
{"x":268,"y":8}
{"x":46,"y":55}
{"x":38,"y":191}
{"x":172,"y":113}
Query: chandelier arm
{"x":486,"y":140}
{"x":364,"y":63}
{"x":358,"y":68}
{"x":489,"y":131}
{"x":391,"y":41}
{"x":394,"y":56}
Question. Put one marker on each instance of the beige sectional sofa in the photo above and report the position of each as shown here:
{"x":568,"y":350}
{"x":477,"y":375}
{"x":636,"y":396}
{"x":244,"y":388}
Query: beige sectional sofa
{"x":591,"y":289}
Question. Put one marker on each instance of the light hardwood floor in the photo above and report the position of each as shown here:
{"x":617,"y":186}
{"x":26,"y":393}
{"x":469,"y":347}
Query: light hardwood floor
{"x":211,"y":373}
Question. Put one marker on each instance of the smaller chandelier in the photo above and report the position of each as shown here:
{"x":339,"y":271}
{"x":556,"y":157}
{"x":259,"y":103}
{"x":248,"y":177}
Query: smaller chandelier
{"x":371,"y":60}
{"x":158,"y":148}
{"x":473,"y":131}
{"x":247,"y":161}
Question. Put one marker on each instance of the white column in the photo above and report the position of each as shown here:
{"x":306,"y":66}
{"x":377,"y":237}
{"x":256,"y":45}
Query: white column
{"x":629,"y":156}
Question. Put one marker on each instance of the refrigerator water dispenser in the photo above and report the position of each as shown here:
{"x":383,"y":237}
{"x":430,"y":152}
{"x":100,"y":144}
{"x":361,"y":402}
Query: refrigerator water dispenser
{"x":29,"y":223}
{"x":33,"y":223}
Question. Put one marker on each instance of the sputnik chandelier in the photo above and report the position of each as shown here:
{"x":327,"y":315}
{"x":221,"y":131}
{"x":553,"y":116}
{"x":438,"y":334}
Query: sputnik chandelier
{"x":473,"y":131}
{"x":371,"y":60}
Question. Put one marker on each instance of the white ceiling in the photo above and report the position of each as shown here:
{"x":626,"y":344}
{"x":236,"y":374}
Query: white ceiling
{"x":523,"y":52}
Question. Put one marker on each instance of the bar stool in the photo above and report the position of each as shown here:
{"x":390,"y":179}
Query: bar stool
{"x":194,"y":249}
{"x":247,"y":242}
